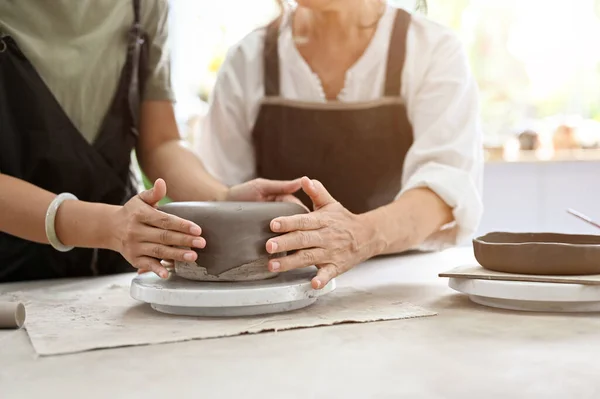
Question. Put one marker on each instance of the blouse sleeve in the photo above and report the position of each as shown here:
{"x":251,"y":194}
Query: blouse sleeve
{"x":225,"y":144}
{"x":447,"y":152}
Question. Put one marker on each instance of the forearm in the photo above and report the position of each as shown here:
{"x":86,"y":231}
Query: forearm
{"x":408,"y":221}
{"x":77,"y":223}
{"x":186,"y":177}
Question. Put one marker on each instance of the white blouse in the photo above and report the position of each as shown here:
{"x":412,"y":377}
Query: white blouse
{"x":440,"y":93}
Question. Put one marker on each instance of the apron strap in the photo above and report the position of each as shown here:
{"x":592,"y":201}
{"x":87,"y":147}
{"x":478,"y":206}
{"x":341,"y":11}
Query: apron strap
{"x":271,"y":59}
{"x":397,"y":54}
{"x":136,"y":11}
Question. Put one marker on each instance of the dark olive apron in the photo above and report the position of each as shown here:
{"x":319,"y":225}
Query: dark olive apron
{"x":356,"y":150}
{"x":40,"y":144}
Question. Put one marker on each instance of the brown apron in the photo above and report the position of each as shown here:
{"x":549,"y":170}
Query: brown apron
{"x":356,"y":150}
{"x":40,"y":144}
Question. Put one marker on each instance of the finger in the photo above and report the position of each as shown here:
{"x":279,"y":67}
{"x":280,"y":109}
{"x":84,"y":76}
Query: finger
{"x":148,"y":263}
{"x":171,"y":238}
{"x":291,"y":198}
{"x":160,"y":252}
{"x":308,"y":221}
{"x":167,"y":264}
{"x":155,"y":194}
{"x":317,"y":193}
{"x":303,"y":258}
{"x":325,"y":274}
{"x":165,"y":221}
{"x":277,"y":187}
{"x":294,"y":241}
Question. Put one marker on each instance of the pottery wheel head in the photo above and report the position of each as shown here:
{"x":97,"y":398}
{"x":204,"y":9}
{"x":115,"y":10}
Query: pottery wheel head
{"x":236,"y":234}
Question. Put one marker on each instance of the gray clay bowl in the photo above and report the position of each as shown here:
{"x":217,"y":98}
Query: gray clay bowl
{"x":236,"y":232}
{"x":539,"y":253}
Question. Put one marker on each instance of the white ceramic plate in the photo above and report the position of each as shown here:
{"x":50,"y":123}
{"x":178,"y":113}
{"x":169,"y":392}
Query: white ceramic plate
{"x":530,"y":296}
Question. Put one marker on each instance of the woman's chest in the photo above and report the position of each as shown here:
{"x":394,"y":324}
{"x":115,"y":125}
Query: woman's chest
{"x":320,"y":83}
{"x":333,"y":64}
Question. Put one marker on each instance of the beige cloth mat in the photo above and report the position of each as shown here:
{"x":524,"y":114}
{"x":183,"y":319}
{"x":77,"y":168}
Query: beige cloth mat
{"x":69,"y":319}
{"x":479,"y":273}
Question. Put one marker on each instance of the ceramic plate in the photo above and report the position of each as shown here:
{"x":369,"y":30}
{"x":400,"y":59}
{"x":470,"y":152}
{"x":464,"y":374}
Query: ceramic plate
{"x":529,"y":296}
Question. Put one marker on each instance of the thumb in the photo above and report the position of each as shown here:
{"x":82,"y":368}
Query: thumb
{"x":317,"y":193}
{"x":155,"y":194}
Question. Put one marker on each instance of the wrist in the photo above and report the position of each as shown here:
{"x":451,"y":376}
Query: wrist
{"x":108,"y":221}
{"x":87,"y":225}
{"x":375,"y":239}
{"x":394,"y":231}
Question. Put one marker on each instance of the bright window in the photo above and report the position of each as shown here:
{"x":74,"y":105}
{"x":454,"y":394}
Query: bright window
{"x":537,"y":62}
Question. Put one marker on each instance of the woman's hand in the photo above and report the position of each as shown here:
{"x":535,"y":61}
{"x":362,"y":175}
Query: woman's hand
{"x":262,"y":190}
{"x":145,"y":236}
{"x":331,"y":238}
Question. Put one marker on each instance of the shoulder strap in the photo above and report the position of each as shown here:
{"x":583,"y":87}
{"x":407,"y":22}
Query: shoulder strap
{"x":271,"y":59}
{"x":397,"y":54}
{"x":136,"y":11}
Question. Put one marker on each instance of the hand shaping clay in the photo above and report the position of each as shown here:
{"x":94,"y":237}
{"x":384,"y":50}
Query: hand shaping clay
{"x":236,"y":234}
{"x":539,"y":253}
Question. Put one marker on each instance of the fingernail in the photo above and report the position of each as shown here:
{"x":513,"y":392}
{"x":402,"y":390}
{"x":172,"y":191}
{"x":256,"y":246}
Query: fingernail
{"x":312,"y":185}
{"x":198,"y":243}
{"x":164,"y":274}
{"x":274,"y":246}
{"x":275,"y":266}
{"x":318,"y":283}
{"x":195,"y":230}
{"x":189,"y":256}
{"x":276,"y":226}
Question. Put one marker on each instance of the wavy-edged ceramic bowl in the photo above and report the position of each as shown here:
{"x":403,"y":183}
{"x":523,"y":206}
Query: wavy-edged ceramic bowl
{"x":539,"y":253}
{"x":236,"y":234}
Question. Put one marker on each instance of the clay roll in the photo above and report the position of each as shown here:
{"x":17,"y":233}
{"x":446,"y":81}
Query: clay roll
{"x":12,"y":315}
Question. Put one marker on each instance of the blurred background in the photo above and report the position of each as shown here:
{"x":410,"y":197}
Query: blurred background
{"x":537,"y":63}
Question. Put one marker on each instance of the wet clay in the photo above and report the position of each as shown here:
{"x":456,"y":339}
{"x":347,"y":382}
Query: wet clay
{"x":255,"y":270}
{"x":236,"y":234}
{"x":539,"y":253}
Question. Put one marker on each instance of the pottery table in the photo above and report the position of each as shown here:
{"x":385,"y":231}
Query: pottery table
{"x":466,"y":351}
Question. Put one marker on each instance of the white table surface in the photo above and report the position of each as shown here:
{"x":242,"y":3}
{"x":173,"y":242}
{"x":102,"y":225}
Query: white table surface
{"x":467,"y":351}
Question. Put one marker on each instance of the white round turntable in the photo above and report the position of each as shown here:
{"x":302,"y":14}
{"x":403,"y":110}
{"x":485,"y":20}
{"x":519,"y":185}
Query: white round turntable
{"x":530,"y":296}
{"x":288,"y":291}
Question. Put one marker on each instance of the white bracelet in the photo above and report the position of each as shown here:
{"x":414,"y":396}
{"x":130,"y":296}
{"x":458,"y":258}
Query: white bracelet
{"x":50,"y":218}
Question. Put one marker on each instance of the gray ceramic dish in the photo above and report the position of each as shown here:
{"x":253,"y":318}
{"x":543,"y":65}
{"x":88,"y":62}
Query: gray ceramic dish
{"x":539,"y":253}
{"x":236,"y":232}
